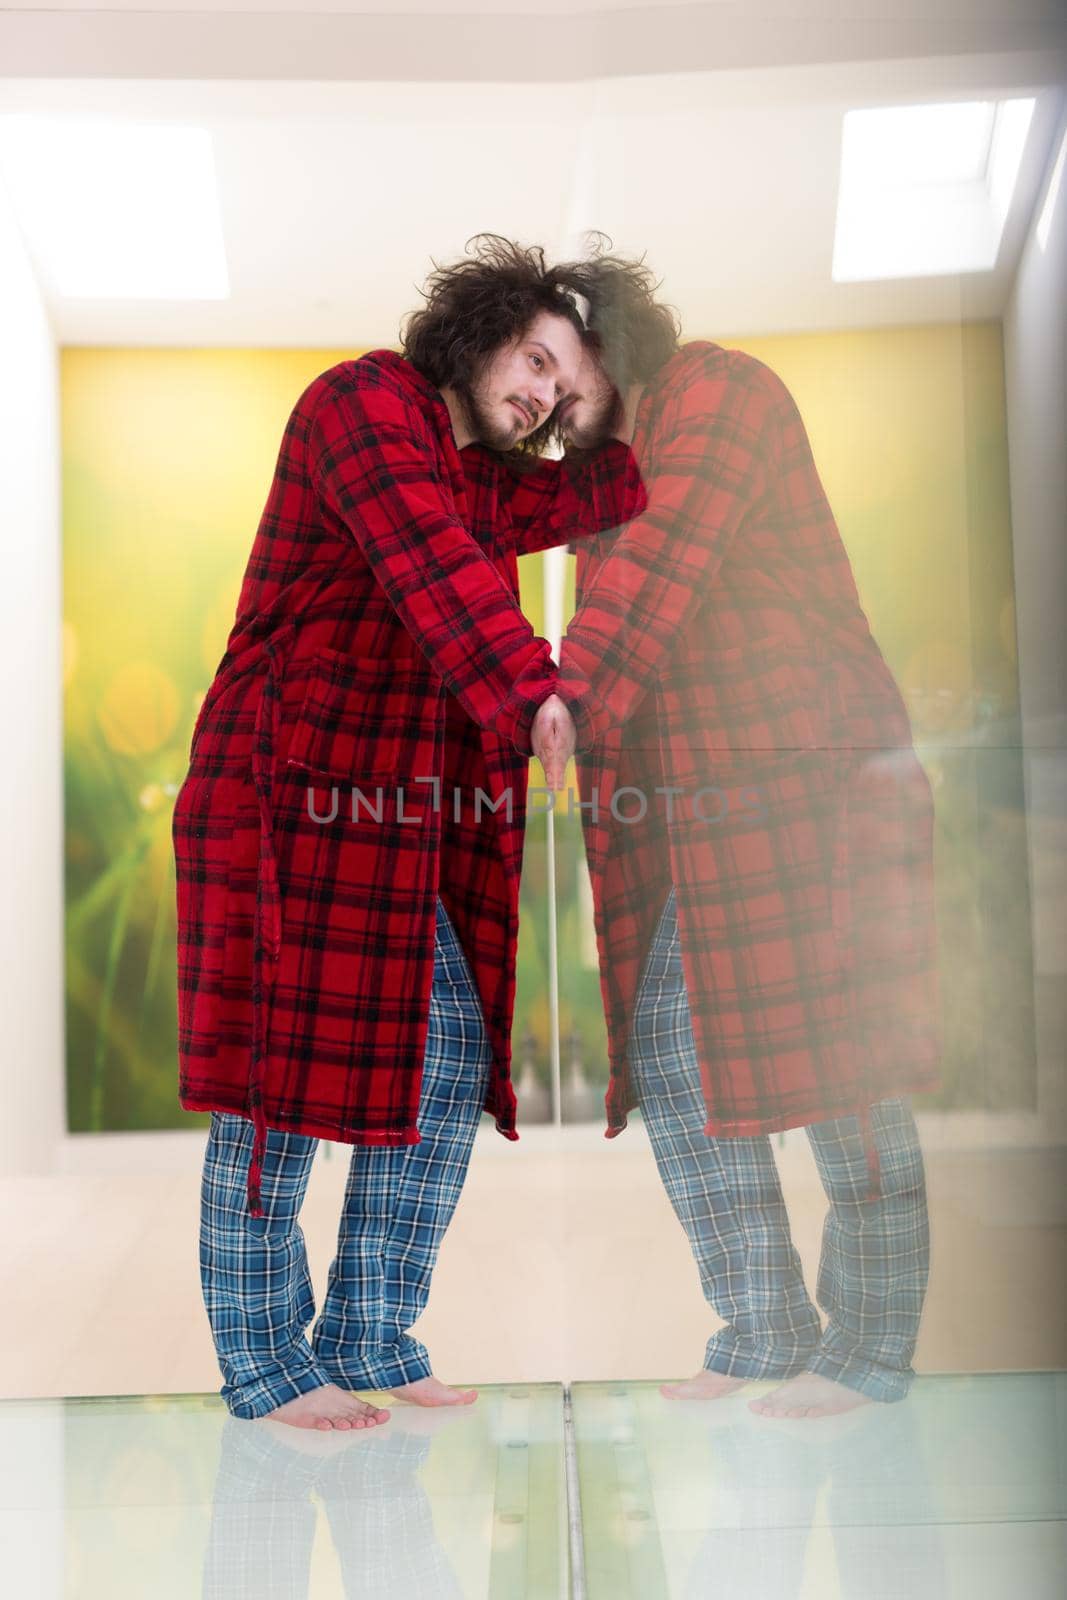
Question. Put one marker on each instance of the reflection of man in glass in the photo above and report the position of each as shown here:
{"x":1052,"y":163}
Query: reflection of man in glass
{"x":347,"y":938}
{"x":761,"y":863}
{"x":270,"y":1486}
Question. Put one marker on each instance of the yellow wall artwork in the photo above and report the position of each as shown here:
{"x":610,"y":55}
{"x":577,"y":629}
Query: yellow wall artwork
{"x":167,"y":458}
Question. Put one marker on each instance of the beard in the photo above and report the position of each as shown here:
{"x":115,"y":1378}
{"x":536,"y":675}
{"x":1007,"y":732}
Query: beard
{"x":487,"y":429}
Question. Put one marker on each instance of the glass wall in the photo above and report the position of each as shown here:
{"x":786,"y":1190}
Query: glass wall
{"x":793,"y":933}
{"x":931,"y":393}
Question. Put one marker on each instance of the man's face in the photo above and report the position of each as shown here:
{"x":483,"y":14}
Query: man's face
{"x":519,"y":385}
{"x":590,"y":414}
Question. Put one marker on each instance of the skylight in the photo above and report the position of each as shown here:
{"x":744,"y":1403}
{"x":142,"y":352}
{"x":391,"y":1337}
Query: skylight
{"x":1044,"y":221}
{"x":117,"y":210}
{"x":925,"y":190}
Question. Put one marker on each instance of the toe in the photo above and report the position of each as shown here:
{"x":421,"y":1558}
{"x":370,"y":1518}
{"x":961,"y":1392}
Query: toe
{"x":773,"y":1408}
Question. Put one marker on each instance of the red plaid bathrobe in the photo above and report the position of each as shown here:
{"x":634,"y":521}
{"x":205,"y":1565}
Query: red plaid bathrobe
{"x":719,"y":650}
{"x":378,"y":647}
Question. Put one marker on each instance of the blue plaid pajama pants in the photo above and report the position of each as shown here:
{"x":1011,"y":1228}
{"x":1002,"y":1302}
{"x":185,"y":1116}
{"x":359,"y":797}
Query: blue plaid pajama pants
{"x":398,"y":1203}
{"x":726,"y":1194}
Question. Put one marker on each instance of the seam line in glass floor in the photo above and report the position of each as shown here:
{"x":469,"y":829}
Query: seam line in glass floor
{"x":574,"y":1500}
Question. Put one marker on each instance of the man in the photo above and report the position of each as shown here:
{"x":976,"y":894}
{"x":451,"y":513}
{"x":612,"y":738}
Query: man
{"x":761,"y":861}
{"x":349,"y":835}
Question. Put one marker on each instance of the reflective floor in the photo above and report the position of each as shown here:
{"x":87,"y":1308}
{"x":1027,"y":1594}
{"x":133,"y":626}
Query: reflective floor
{"x":170,"y":1497}
{"x":960,"y":1491}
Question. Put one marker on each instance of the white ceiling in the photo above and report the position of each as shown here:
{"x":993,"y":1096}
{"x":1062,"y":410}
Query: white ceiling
{"x":336,"y":195}
{"x":495,"y":40}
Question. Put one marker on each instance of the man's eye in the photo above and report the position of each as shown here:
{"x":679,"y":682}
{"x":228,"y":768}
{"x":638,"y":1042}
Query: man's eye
{"x":537,"y":361}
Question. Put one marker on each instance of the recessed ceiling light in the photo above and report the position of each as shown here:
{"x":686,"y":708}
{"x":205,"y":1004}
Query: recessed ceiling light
{"x":925,"y":190}
{"x":117,"y":210}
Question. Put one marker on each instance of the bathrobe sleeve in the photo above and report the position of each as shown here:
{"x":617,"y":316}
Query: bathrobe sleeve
{"x":376,"y":464}
{"x":714,"y":461}
{"x":582,"y":494}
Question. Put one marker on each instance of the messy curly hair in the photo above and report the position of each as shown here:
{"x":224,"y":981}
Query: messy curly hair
{"x":632,"y":332}
{"x":476,"y":306}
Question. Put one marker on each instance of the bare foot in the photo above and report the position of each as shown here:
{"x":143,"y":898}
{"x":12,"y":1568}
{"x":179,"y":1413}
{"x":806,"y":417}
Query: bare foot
{"x":430,"y":1391}
{"x":705,"y":1386}
{"x":809,"y":1394}
{"x":318,"y":1443}
{"x":329,"y":1407}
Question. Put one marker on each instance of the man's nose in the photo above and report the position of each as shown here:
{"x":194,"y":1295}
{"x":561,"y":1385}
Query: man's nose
{"x":544,"y":392}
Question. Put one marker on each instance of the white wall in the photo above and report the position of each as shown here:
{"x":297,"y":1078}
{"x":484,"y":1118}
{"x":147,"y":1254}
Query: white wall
{"x":32,"y":1113}
{"x":1035,"y":349}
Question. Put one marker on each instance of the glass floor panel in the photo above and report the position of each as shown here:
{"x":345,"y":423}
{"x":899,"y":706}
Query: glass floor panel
{"x":172,"y":1498}
{"x":960,"y":1490}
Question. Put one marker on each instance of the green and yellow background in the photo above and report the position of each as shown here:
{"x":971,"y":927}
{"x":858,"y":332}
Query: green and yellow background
{"x":167,"y":458}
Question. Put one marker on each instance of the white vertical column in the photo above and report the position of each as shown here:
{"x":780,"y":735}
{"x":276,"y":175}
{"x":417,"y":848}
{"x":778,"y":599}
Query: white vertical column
{"x":575,"y":220}
{"x":553,"y":575}
{"x":32,"y":1091}
{"x":1035,"y":363}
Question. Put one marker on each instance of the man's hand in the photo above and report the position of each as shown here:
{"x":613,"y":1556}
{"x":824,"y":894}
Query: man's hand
{"x":587,"y":414}
{"x":552,"y":736}
{"x":596,"y":412}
